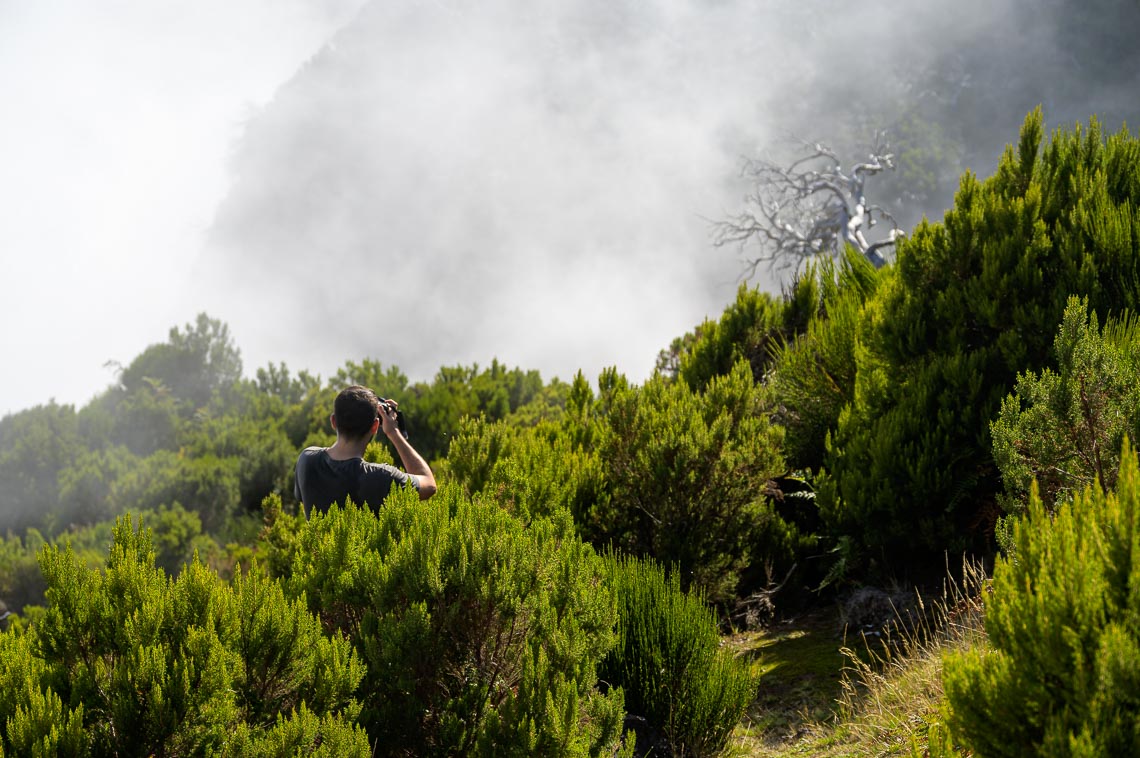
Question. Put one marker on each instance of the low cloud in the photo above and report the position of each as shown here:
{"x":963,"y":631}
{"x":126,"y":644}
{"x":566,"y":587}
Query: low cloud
{"x":441,"y":183}
{"x":448,"y":182}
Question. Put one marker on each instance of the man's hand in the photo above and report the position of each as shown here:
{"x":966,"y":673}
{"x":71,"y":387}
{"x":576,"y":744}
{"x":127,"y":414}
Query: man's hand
{"x":413,"y":462}
{"x":387,"y":413}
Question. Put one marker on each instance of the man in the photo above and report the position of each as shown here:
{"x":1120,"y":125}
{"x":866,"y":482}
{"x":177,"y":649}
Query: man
{"x":328,"y":475}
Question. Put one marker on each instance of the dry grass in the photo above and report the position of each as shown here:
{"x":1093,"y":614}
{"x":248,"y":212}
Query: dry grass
{"x":892,"y":688}
{"x":889,"y":694}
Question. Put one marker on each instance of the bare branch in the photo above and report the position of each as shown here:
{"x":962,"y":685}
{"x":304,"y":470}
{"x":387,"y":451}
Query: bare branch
{"x":811,"y":207}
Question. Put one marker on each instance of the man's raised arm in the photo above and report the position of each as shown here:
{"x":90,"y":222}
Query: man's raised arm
{"x":414,"y":463}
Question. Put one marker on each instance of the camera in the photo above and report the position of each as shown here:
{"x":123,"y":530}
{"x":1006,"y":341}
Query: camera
{"x":387,"y":407}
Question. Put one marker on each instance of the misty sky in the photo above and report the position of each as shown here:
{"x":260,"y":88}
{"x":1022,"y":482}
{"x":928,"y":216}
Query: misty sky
{"x":424,"y":183}
{"x":118,"y":117}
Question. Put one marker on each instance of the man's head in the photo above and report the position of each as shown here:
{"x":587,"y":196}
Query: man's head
{"x":354,"y":412}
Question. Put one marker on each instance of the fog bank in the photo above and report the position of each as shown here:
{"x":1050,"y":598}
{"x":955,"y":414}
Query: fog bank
{"x":440,"y":183}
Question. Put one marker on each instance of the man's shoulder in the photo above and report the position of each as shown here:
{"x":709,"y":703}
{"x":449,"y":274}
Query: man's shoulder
{"x":310,"y":457}
{"x":387,"y":474}
{"x":384,"y":469}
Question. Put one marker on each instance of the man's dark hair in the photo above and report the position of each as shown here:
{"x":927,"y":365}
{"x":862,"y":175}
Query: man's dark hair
{"x":355,"y":410}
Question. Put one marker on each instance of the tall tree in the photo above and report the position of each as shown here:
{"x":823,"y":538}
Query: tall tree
{"x":193,"y":363}
{"x":35,"y":445}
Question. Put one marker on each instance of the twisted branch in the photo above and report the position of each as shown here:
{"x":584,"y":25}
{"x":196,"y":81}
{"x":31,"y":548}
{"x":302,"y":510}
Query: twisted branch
{"x":811,"y":207}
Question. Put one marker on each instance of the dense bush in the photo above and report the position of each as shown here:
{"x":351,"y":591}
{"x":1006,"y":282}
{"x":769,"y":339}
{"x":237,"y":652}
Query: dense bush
{"x":125,"y":661}
{"x":686,"y":475}
{"x":813,"y":374}
{"x":749,"y":329}
{"x":1060,"y":674}
{"x":691,"y":691}
{"x":972,"y":302}
{"x":658,"y":470}
{"x":530,"y":471}
{"x":1063,"y":429}
{"x":481,"y":636}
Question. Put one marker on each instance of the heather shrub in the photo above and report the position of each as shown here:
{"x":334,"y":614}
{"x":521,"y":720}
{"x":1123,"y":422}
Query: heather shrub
{"x":126,"y":661}
{"x":813,"y":374}
{"x":1059,"y":675}
{"x":668,"y":659}
{"x":660,"y":471}
{"x":686,"y":478}
{"x":481,"y":635}
{"x":530,"y":471}
{"x":1063,"y":428}
{"x":972,"y":302}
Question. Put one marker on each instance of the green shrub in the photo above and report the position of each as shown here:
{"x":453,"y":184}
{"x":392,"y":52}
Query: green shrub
{"x":1064,"y":428}
{"x":661,"y":472}
{"x":813,"y":375}
{"x":972,"y":302}
{"x":531,"y":471}
{"x":481,"y":636}
{"x":748,"y":330}
{"x":686,"y":474}
{"x":301,"y":733}
{"x":125,"y":661}
{"x":669,"y":661}
{"x":1061,"y":675}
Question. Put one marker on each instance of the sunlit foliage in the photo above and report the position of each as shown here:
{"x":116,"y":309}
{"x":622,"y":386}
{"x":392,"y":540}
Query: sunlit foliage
{"x":481,"y":635}
{"x":1063,"y":428}
{"x":125,"y":661}
{"x":1059,"y":675}
{"x":973,"y":301}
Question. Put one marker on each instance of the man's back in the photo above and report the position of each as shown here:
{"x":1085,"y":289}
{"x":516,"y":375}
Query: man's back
{"x":322,"y":480}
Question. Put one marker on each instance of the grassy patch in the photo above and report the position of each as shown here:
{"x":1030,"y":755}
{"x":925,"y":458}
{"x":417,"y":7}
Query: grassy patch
{"x":801,"y":683}
{"x":893,"y":688}
{"x":820,"y":697}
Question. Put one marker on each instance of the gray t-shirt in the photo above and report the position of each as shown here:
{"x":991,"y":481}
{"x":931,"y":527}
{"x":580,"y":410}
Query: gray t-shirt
{"x":322,"y":481}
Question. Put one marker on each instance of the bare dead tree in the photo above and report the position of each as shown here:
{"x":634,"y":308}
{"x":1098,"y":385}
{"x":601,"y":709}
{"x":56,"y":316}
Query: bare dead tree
{"x":811,"y":207}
